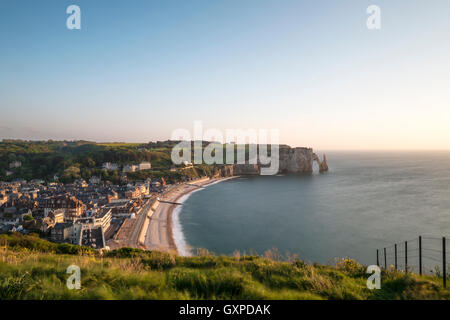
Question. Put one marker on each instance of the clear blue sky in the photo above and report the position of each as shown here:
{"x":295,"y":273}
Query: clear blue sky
{"x":139,"y":69}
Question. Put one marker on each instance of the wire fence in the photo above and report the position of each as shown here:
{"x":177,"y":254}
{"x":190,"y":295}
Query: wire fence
{"x":423,"y":255}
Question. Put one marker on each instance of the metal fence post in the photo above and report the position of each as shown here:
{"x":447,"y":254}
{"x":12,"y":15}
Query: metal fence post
{"x":378,"y":260}
{"x":444,"y":264}
{"x":385,"y":263}
{"x":406,"y":256}
{"x":420,"y":255}
{"x":395,"y":248}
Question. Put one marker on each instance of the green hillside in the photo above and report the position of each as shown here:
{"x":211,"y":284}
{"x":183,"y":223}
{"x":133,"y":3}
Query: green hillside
{"x":31,"y":268}
{"x":72,"y":160}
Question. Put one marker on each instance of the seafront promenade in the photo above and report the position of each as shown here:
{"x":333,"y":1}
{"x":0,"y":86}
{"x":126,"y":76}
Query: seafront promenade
{"x":152,"y":228}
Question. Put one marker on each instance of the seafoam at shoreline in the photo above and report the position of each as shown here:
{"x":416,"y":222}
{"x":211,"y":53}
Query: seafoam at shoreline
{"x":177,"y":229}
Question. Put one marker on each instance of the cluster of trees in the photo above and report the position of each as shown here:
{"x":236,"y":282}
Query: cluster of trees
{"x":72,"y":160}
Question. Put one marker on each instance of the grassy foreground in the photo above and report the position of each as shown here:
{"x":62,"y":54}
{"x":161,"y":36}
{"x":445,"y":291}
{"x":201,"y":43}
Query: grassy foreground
{"x":32,"y":268}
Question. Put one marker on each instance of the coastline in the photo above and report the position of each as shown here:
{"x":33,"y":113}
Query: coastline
{"x":162,"y":231}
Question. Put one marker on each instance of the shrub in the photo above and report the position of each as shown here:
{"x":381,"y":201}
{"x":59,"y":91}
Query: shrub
{"x":351,"y":266}
{"x":159,"y":260}
{"x":28,"y":217}
{"x":126,"y":253}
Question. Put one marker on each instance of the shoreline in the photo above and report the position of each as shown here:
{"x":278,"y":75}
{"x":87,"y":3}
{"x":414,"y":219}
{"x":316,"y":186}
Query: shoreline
{"x":187,"y":190}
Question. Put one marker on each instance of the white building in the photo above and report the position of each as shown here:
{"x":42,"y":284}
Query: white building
{"x":145,"y":166}
{"x":108,"y":166}
{"x":100,"y":219}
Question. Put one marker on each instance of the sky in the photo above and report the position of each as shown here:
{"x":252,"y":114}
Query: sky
{"x":138,"y":70}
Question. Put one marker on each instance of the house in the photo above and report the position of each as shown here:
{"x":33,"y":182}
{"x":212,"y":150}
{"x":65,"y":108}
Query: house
{"x":108,"y":166}
{"x":10,"y":210}
{"x":145,"y":166}
{"x":103,"y":219}
{"x":3,"y":199}
{"x":62,"y":232}
{"x":100,"y":219}
{"x":80,"y":183}
{"x":95,"y":180}
{"x":123,"y":208}
{"x":112,"y":195}
{"x":130,"y":168}
{"x":9,"y":219}
{"x":143,"y":189}
{"x":57,"y":215}
{"x":156,"y":184}
{"x":132,"y":193}
{"x":72,"y":207}
{"x":46,"y":224}
{"x":15,"y":164}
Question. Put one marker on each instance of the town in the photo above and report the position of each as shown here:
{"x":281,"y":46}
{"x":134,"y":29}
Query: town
{"x":92,"y":213}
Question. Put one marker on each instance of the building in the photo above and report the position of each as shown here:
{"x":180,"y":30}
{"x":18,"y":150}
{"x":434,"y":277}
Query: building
{"x":143,"y":189}
{"x":156,"y":184}
{"x":95,"y":180}
{"x":112,"y":195}
{"x":103,"y":219}
{"x":46,"y":224}
{"x":123,"y":208}
{"x":37,"y":181}
{"x":62,"y":232}
{"x":87,"y":234}
{"x":130,"y":168}
{"x":15,"y":164}
{"x":72,"y":207}
{"x":3,"y":199}
{"x":145,"y":166}
{"x":132,"y":193}
{"x":108,"y":166}
{"x":80,"y":183}
{"x":100,"y":219}
{"x":57,"y":215}
{"x":92,"y":237}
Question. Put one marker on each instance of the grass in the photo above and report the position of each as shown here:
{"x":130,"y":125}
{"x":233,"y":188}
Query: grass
{"x":32,"y":273}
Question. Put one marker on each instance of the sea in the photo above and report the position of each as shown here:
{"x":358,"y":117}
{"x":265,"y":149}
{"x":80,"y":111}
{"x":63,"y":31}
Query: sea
{"x":367,"y":201}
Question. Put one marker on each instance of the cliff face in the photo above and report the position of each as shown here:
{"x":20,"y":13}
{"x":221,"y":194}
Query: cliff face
{"x":230,"y":170}
{"x":227,"y":170}
{"x":292,"y":160}
{"x":296,"y":160}
{"x":323,"y":165}
{"x":246,"y":169}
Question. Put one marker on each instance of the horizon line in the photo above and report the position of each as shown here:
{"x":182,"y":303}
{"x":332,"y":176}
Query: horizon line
{"x":321,"y":149}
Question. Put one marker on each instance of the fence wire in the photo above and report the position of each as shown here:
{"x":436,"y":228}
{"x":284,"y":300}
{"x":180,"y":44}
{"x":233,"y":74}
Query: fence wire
{"x":422,"y":254}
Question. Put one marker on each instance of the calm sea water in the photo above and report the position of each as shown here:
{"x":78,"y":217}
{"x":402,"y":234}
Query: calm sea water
{"x":366,"y":201}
